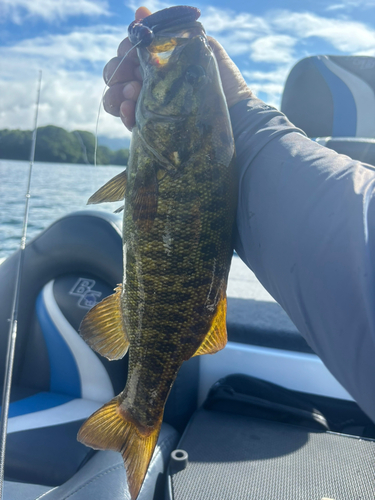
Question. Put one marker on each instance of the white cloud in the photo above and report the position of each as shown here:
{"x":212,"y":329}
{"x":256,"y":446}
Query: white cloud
{"x":72,"y":82}
{"x":269,"y":83}
{"x":265,"y":48}
{"x":91,"y":47}
{"x":273,"y":48}
{"x":274,"y":37}
{"x":69,"y":100}
{"x":50,"y":10}
{"x":346,"y":36}
{"x":217,"y":20}
{"x":349,"y":4}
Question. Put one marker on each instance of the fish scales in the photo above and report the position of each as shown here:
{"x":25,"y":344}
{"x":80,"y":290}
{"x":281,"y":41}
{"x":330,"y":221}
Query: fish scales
{"x":180,"y":199}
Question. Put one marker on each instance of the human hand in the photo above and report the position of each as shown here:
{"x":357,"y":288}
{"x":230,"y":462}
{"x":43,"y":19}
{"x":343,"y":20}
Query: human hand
{"x":125,"y":84}
{"x":234,"y":86}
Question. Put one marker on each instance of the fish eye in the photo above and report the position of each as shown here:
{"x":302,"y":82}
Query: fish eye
{"x":195,"y":75}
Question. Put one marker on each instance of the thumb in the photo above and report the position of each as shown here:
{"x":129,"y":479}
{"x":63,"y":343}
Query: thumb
{"x":141,"y":13}
{"x":234,"y":86}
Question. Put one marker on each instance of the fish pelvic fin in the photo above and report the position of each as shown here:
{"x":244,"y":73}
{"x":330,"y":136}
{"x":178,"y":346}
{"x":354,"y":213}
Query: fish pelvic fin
{"x":103,"y":328}
{"x":112,"y":428}
{"x":216,"y":338}
{"x":113,"y":190}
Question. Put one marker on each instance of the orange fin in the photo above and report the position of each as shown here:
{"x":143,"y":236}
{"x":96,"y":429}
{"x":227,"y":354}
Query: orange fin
{"x":113,"y":190}
{"x":112,"y":428}
{"x":216,"y":338}
{"x":103,"y":330}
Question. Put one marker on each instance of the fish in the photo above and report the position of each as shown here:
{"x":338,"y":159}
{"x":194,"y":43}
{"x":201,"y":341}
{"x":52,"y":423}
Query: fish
{"x":180,"y":196}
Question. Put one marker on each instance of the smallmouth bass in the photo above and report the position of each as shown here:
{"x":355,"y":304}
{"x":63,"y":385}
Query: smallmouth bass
{"x":180,"y":198}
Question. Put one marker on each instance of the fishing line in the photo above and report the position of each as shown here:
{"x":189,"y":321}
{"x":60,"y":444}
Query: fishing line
{"x":14,"y":316}
{"x":101,"y":100}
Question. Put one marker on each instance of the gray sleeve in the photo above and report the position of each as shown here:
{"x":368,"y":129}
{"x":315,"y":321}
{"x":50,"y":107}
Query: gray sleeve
{"x":306,"y":227}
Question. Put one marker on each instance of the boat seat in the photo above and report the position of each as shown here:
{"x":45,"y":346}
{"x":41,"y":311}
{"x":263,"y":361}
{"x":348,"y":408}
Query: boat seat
{"x":62,"y":382}
{"x":58,"y":381}
{"x":104,"y":477}
{"x":333,"y":98}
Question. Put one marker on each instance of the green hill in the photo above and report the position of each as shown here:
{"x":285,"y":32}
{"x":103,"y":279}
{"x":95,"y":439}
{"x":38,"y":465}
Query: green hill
{"x":55,"y":144}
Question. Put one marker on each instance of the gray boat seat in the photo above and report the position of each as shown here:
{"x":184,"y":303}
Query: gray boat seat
{"x":58,"y":381}
{"x":333,"y":98}
{"x":66,"y":383}
{"x":104,"y":477}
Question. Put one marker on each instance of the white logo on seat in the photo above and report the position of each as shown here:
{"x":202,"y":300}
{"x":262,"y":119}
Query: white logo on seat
{"x":84,"y":289}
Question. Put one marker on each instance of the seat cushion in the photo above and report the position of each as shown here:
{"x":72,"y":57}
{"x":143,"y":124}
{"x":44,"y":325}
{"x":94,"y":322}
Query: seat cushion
{"x":357,"y":148}
{"x":23,"y":491}
{"x":103,"y":476}
{"x":332,"y":96}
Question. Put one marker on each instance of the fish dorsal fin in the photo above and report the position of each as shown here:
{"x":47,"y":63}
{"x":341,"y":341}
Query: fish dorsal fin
{"x":113,"y":190}
{"x":216,"y":338}
{"x":103,"y":330}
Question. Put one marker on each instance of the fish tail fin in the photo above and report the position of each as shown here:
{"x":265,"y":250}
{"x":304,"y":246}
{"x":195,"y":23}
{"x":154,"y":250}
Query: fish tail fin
{"x":112,"y":428}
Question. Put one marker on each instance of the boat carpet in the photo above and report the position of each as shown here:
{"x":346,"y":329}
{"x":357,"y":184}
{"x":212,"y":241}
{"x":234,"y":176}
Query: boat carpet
{"x":238,"y":457}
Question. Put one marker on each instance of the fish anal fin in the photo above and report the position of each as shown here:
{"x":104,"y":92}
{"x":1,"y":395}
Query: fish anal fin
{"x":103,"y":330}
{"x":216,"y":338}
{"x":112,"y":428}
{"x":113,"y":190}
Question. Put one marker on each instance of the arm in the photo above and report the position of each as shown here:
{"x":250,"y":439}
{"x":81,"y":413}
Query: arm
{"x":306,"y":227}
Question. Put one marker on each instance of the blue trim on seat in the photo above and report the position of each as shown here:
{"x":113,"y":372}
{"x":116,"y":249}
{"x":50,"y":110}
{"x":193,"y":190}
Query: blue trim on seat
{"x":37,"y":402}
{"x":64,"y":374}
{"x":344,"y":107}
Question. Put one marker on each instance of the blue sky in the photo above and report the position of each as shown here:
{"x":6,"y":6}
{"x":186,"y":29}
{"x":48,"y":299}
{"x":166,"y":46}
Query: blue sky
{"x":71,"y":40}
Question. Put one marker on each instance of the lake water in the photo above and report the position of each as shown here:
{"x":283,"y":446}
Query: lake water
{"x":56,"y":190}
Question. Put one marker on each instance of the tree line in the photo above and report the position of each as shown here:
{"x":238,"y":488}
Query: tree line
{"x":55,"y":144}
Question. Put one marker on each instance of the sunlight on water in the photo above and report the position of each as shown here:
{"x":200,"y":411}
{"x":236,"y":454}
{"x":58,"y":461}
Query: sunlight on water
{"x":56,"y":190}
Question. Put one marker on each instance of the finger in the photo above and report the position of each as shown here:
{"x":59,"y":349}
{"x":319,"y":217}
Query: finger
{"x":127,"y":114}
{"x":120,"y":71}
{"x":218,"y":49}
{"x":131,"y":90}
{"x":118,"y":93}
{"x":141,"y":13}
{"x":125,"y":47}
{"x":113,"y":99}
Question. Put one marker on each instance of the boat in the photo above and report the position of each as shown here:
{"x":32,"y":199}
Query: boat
{"x":263,"y":418}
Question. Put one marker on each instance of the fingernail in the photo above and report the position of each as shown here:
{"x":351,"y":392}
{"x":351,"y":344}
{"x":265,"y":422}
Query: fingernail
{"x":128,"y":91}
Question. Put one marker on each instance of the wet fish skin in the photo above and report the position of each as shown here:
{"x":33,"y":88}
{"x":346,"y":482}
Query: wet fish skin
{"x":180,"y":199}
{"x":177,"y":231}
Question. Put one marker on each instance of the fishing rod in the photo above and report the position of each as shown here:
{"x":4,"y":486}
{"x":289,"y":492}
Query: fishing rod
{"x":14,"y":316}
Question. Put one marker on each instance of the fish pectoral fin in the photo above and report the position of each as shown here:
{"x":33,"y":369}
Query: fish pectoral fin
{"x":103,"y":329}
{"x":216,"y":338}
{"x":112,"y":428}
{"x":113,"y":190}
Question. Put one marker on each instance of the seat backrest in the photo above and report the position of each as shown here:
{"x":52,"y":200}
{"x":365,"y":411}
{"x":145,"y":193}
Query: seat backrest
{"x":332,"y":96}
{"x":67,"y":365}
{"x":68,"y":268}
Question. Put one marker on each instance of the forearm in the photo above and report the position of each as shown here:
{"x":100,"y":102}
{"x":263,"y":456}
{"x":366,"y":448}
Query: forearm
{"x":306,"y":228}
